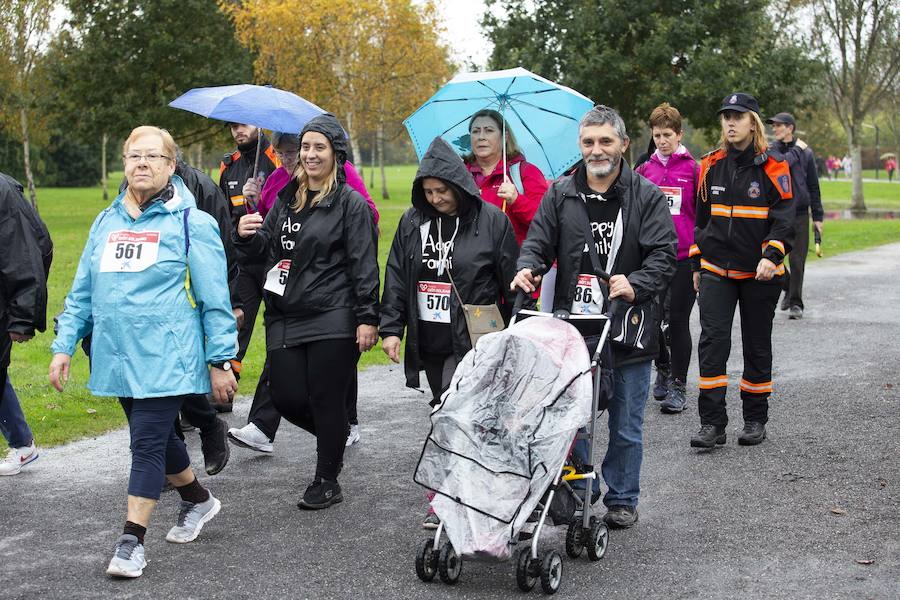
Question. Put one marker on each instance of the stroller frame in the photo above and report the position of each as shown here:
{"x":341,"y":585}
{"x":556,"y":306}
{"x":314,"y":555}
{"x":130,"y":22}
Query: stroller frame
{"x":585,"y":530}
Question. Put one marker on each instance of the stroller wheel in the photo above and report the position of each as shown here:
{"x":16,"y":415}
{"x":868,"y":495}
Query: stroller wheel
{"x":525,"y":575}
{"x":551,"y":572}
{"x":426,"y":560}
{"x":574,"y":539}
{"x":599,"y":540}
{"x":449,"y":564}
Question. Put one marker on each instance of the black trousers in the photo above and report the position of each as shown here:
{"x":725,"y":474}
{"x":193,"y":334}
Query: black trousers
{"x":439,"y":370}
{"x":718,"y":298}
{"x":676,"y":345}
{"x":266,"y":417}
{"x":792,"y":282}
{"x":309,"y":388}
{"x":250,"y":289}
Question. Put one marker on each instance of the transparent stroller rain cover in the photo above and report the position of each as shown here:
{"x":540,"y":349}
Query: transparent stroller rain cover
{"x":503,"y":431}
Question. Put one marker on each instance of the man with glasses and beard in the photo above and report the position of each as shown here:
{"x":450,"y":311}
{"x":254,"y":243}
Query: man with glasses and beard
{"x":635,"y":241}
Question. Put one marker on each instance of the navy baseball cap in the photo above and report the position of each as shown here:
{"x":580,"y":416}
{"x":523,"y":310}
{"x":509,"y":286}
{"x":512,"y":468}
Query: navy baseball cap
{"x":782,"y":117}
{"x":740,"y":102}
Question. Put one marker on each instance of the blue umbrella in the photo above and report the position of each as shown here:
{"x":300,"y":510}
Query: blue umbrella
{"x":542,"y":115}
{"x":263,"y":106}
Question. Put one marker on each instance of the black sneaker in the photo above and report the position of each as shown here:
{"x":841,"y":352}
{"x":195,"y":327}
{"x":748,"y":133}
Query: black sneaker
{"x":754,"y":432}
{"x":785,"y":302}
{"x":708,"y":436}
{"x":620,"y":516}
{"x":661,"y":387}
{"x":184,"y":425}
{"x":321,"y":494}
{"x":214,"y":446}
{"x":676,"y":399}
{"x":795,"y":313}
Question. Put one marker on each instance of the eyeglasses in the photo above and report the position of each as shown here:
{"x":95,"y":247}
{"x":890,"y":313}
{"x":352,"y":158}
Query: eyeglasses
{"x":151,"y":157}
{"x":282,"y":153}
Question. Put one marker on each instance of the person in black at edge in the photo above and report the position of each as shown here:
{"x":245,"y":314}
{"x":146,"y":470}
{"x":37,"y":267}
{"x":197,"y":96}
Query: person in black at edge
{"x":807,"y":197}
{"x":234,"y":172}
{"x":319,"y":251}
{"x":744,"y":228}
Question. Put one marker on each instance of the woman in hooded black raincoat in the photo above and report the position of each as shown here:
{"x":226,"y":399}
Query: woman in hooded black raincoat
{"x":321,"y":294}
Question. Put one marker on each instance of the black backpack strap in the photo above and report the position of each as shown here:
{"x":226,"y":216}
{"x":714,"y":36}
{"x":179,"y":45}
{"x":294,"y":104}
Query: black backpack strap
{"x":187,"y":231}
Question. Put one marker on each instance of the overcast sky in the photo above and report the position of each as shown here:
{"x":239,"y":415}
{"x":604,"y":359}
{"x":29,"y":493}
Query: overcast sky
{"x":462,"y":18}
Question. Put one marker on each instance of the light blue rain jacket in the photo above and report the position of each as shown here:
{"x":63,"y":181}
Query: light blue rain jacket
{"x":148,"y":340}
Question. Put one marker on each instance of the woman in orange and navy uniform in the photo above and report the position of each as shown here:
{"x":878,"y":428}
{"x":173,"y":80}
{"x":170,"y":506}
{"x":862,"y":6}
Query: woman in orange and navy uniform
{"x":743,"y":231}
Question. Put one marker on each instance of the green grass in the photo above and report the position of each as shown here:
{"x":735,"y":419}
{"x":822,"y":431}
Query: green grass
{"x":58,"y":418}
{"x":882,"y":195}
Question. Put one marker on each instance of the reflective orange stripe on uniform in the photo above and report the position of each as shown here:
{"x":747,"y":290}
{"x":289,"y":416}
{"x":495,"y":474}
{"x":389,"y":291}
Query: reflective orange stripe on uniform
{"x":774,"y":243}
{"x":695,"y":250}
{"x":711,"y":383}
{"x":731,"y":273}
{"x":270,"y":152}
{"x":237,"y":200}
{"x":742,"y":212}
{"x":779,"y":173}
{"x":756,"y":388}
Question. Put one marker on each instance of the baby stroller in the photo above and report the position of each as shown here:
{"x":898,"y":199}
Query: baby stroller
{"x":496,"y":453}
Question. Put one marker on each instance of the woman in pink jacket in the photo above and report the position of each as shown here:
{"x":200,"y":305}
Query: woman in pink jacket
{"x":518,"y":189}
{"x":263,"y":421}
{"x":674,"y":170}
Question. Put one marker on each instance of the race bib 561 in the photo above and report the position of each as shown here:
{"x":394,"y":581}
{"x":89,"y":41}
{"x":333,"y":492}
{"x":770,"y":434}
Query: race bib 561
{"x":129,"y":251}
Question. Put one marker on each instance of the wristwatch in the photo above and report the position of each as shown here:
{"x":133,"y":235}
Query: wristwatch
{"x":225,"y":366}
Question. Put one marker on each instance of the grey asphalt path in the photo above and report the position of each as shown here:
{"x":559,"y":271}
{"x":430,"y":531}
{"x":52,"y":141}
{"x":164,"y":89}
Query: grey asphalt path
{"x":787,"y":519}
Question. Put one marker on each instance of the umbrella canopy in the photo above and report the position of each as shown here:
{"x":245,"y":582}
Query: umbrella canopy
{"x":262,"y":106}
{"x":542,"y":115}
{"x":888,"y":155}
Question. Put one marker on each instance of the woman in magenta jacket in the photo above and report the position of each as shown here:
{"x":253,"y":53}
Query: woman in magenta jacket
{"x":499,"y":187}
{"x":674,"y":170}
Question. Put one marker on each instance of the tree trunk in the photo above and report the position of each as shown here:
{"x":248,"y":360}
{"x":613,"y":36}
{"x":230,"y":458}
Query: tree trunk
{"x":354,"y":144}
{"x":104,"y":175}
{"x":857,"y":203}
{"x":384,"y":190}
{"x":26,"y":151}
{"x":372,"y":163}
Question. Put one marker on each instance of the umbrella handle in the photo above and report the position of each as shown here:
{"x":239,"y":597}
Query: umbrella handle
{"x":249,"y":204}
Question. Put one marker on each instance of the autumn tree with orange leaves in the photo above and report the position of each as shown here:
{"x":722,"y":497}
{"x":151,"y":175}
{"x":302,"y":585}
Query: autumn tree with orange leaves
{"x":371,"y":62}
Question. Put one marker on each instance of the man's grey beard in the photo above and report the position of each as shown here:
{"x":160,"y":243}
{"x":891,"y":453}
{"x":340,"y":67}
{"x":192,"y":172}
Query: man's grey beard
{"x":604,"y":171}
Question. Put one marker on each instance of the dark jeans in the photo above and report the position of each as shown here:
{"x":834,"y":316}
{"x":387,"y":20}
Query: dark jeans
{"x":250,"y":289}
{"x":792,"y":282}
{"x":679,"y":302}
{"x":12,"y":420}
{"x":439,"y":370}
{"x":309,"y":388}
{"x":719,"y":297}
{"x":266,"y":417}
{"x":156,"y":450}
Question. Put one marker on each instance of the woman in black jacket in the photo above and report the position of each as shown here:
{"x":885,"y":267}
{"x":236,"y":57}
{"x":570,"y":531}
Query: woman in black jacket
{"x":321,"y":294}
{"x":448,"y":232}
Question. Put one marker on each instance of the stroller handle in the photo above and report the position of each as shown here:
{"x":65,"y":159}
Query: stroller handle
{"x":521,"y":296}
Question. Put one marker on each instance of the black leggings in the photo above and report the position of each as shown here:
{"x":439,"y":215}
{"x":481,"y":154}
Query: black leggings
{"x":309,"y":389}
{"x":679,"y":299}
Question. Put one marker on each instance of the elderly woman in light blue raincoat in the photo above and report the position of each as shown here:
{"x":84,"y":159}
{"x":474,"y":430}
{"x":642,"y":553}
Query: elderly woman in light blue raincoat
{"x":152,"y":286}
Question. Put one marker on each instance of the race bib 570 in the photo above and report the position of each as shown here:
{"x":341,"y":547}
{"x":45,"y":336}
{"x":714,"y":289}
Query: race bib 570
{"x":434,"y":301}
{"x":129,"y":251}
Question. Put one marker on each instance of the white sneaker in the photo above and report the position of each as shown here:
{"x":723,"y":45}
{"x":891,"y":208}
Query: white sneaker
{"x":353,"y":436}
{"x":16,"y":458}
{"x":250,"y":436}
{"x":191,"y":519}
{"x":128,"y":559}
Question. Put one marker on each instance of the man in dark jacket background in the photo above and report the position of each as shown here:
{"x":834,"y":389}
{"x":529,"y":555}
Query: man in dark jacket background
{"x":805,"y":184}
{"x":633,"y":234}
{"x":237,"y":167}
{"x":25,"y":258}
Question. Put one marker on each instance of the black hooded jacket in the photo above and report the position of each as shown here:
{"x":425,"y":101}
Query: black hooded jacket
{"x":332,"y":283}
{"x":646,"y":255}
{"x":25,"y":254}
{"x":483,"y":259}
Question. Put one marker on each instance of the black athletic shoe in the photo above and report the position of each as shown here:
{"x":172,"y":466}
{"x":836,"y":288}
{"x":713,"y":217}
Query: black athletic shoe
{"x":796,"y":313}
{"x":754,"y":432}
{"x":708,"y":436}
{"x":184,"y":425}
{"x":214,"y":446}
{"x":621,"y":517}
{"x":661,"y":386}
{"x":785,"y":302}
{"x":321,"y":494}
